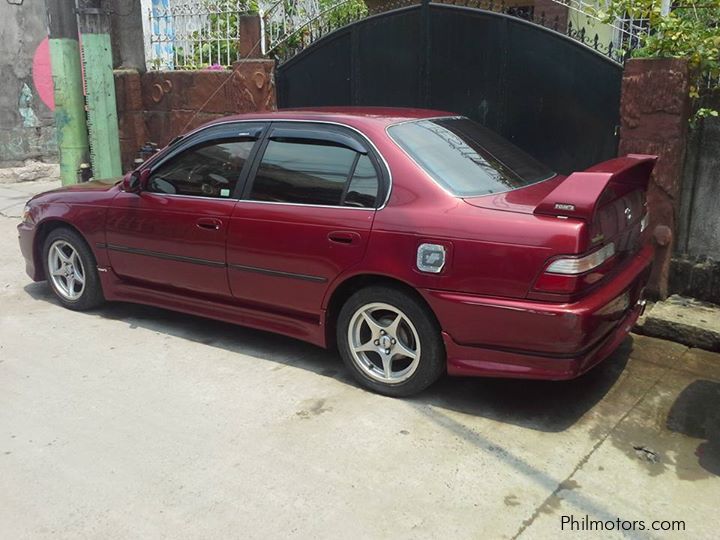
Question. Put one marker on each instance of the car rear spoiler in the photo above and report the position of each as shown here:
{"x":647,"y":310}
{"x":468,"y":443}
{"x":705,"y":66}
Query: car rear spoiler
{"x":579,"y":194}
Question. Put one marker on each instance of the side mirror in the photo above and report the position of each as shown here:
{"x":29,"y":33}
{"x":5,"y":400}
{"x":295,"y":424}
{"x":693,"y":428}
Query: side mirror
{"x":136,"y":181}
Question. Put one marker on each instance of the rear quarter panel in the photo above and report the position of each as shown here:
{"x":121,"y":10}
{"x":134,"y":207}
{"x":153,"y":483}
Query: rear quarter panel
{"x":490,"y":251}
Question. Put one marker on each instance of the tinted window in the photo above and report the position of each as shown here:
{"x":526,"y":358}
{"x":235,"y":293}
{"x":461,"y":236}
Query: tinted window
{"x":363,"y":188}
{"x":303,"y":171}
{"x":467,"y":158}
{"x":210,"y":170}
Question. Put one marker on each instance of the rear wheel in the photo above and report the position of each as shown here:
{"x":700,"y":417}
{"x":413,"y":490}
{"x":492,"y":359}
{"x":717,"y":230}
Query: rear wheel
{"x":71,"y":270}
{"x":390,"y":341}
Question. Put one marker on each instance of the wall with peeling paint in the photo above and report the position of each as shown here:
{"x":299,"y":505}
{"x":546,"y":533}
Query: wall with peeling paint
{"x":26,"y":122}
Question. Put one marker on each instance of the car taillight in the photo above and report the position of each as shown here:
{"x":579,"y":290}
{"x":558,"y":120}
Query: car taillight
{"x":572,"y":274}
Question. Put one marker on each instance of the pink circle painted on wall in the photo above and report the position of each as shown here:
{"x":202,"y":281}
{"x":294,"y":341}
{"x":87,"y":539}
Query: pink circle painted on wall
{"x":42,"y":74}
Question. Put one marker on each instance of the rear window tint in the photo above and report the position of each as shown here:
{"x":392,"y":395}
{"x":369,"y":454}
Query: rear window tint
{"x":466,"y":158}
{"x":305,"y":172}
{"x":363,"y":189}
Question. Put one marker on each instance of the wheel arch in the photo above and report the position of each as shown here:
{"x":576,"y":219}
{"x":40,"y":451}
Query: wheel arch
{"x":44,"y":228}
{"x":346,"y":288}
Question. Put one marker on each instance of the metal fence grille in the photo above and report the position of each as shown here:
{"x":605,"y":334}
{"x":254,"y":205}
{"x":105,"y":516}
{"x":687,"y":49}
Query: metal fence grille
{"x":301,"y":28}
{"x":286,"y":17}
{"x":193,"y":34}
{"x":627,"y":32}
{"x":293,"y":25}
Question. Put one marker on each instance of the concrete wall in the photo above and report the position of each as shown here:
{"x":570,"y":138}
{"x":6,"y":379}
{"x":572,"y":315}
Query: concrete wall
{"x":700,"y":208}
{"x":127,"y":33}
{"x":696,"y":266}
{"x":26,"y":124}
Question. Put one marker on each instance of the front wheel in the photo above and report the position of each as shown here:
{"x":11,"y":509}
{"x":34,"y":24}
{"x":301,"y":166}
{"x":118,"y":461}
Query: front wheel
{"x":390,"y":341}
{"x":71,"y":270}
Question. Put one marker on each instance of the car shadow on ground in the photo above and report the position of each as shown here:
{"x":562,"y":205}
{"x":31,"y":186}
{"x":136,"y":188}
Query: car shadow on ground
{"x":696,"y":413}
{"x":550,"y":406}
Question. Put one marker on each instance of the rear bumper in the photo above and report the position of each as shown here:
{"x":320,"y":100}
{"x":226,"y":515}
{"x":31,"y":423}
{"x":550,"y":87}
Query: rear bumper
{"x":520,"y":338}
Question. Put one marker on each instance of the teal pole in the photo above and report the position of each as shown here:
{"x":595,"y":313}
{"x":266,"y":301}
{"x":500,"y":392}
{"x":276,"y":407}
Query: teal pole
{"x":70,"y":121}
{"x":104,"y":134}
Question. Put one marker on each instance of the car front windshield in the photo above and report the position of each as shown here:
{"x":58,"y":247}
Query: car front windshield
{"x":466,"y":158}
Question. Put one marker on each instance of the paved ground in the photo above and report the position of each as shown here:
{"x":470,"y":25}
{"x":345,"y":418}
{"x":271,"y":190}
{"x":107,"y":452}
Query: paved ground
{"x":137,"y":422}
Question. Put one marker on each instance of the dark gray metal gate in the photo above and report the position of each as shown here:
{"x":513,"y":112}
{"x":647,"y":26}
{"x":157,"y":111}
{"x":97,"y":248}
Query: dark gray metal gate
{"x":553,"y":96}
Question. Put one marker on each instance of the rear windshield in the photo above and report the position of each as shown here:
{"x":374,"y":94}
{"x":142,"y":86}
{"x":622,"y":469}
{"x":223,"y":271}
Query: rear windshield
{"x":466,"y":158}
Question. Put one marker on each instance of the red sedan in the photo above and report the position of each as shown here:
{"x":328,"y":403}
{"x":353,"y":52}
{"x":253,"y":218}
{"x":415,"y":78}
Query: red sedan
{"x":416,"y":242}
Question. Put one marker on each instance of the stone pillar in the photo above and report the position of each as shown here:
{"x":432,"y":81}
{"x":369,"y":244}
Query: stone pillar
{"x":249,"y":45}
{"x":654,"y":114}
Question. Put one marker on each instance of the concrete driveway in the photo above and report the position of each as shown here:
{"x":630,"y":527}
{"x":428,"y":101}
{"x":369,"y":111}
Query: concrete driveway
{"x":135,"y":422}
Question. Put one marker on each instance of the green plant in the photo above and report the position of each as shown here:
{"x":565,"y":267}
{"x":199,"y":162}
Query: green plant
{"x":691,"y":31}
{"x":211,"y":46}
{"x":333,"y":14}
{"x":345,"y":13}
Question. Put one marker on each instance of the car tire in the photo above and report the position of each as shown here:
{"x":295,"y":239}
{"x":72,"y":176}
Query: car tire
{"x":71,"y":270}
{"x":379,"y":329}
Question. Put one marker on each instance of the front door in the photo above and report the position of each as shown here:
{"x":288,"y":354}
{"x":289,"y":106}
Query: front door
{"x":305,"y":216}
{"x":173,"y":233}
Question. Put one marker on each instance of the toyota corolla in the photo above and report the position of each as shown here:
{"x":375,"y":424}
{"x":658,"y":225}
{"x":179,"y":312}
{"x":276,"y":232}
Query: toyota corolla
{"x":415,"y":242}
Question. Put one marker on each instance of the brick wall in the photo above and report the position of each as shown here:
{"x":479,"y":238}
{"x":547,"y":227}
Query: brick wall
{"x":131,"y":117}
{"x":158,"y":105}
{"x":555,"y":15}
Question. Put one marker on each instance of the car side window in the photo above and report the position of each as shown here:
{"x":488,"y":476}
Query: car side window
{"x":312,"y":171}
{"x":211,"y":169}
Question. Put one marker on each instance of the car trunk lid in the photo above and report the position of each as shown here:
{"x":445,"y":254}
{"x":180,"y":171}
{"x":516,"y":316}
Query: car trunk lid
{"x":610,"y":197}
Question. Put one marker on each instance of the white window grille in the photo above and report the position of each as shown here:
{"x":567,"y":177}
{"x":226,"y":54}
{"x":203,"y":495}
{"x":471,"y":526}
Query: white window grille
{"x":628,"y":31}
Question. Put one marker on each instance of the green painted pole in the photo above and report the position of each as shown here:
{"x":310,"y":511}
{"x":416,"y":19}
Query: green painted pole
{"x":68,"y":89}
{"x":103,"y":129}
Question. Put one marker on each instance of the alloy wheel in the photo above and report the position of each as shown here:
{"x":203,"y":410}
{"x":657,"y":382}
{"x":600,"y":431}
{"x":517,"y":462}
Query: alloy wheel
{"x":384,"y":343}
{"x":66,"y":270}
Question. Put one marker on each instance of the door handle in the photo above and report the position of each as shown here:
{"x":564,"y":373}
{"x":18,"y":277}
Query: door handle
{"x":209,"y":223}
{"x":344,"y":237}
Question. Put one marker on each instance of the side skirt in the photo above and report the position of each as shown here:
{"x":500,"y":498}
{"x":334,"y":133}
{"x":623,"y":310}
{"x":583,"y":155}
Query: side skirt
{"x":312,"y":331}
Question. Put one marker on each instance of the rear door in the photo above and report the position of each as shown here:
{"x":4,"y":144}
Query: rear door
{"x":173,"y":234}
{"x":305,"y":216}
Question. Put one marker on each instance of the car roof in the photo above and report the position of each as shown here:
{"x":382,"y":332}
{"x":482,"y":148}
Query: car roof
{"x":352,"y":116}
